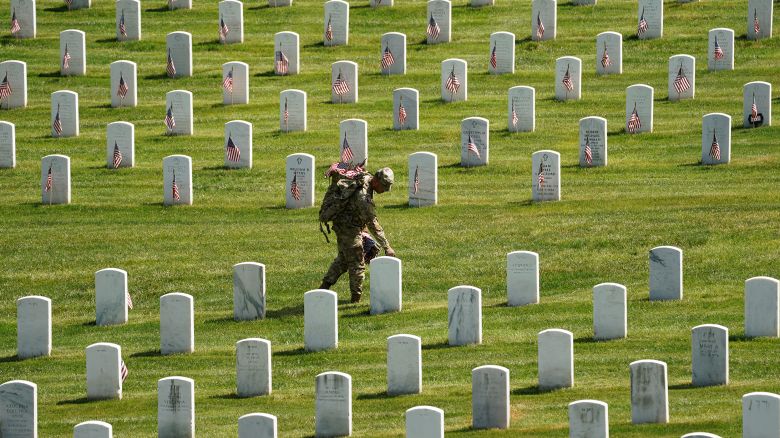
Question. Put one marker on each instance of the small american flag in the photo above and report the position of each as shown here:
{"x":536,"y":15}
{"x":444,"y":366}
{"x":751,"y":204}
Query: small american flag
{"x":57,"y":125}
{"x":433,"y":29}
{"x":232,"y":151}
{"x":170,"y":122}
{"x":588,"y":152}
{"x":756,"y":24}
{"x":47,"y":187}
{"x":401,"y":112}
{"x":122,"y":27}
{"x":170,"y":68}
{"x":175,"y":189}
{"x":754,"y":110}
{"x":718,"y":52}
{"x":227,"y":83}
{"x":346,"y":151}
{"x":282,"y":63}
{"x":117,"y":161}
{"x":329,"y":31}
{"x":567,"y":80}
{"x":223,"y":30}
{"x":15,"y":26}
{"x":715,"y":148}
{"x":122,"y":89}
{"x":493,"y":58}
{"x":69,"y":3}
{"x":642,"y":27}
{"x":129,"y":300}
{"x":681,"y":83}
{"x":123,"y":371}
{"x":5,"y":88}
{"x":295,"y":191}
{"x":472,"y":147}
{"x":340,"y":86}
{"x":605,"y":59}
{"x":387,"y":59}
{"x":286,"y":113}
{"x":416,"y":185}
{"x":66,"y":59}
{"x":634,"y":124}
{"x":515,"y":119}
{"x":540,"y":179}
{"x":539,"y":26}
{"x":452,"y":84}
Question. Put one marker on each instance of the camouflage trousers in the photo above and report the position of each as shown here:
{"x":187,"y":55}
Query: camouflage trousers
{"x":349,"y":258}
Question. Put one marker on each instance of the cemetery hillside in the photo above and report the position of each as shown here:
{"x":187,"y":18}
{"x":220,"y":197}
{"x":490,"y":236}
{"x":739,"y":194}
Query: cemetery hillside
{"x":554,"y":243}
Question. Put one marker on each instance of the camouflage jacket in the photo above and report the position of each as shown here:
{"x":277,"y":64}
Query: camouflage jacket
{"x":360,"y":212}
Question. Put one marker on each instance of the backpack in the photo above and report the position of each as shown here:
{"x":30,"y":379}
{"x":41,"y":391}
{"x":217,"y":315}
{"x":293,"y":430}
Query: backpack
{"x":343,"y":185}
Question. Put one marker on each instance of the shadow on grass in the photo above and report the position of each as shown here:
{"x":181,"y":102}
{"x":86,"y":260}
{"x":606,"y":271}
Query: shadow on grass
{"x":687,"y":385}
{"x":285,"y":312}
{"x":223,"y":320}
{"x":14,"y":358}
{"x":160,"y":9}
{"x":739,"y":338}
{"x":366,"y":312}
{"x":532,"y":390}
{"x":523,"y":203}
{"x":696,"y":164}
{"x":229,"y":396}
{"x":92,"y":323}
{"x":402,"y":205}
{"x":148,"y":353}
{"x":53,"y":74}
{"x":155,"y":204}
{"x":436,"y":346}
{"x":107,"y":40}
{"x":268,"y":74}
{"x":157,"y":76}
{"x":294,"y":352}
{"x":261,"y":7}
{"x":314,"y":45}
{"x":63,"y":8}
{"x":104,"y":106}
{"x":75,"y":401}
{"x":587,"y":340}
{"x":374,"y":396}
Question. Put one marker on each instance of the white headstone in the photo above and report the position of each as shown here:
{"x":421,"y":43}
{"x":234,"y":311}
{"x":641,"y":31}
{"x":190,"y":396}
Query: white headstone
{"x":253,"y":367}
{"x":179,"y":4}
{"x":386,"y":285}
{"x":700,"y":435}
{"x":464,"y":317}
{"x":177,"y":323}
{"x":760,"y":415}
{"x":93,"y":429}
{"x":58,"y":190}
{"x":333,"y":405}
{"x":248,"y":291}
{"x":176,"y":407}
{"x":179,"y":50}
{"x":7,"y":145}
{"x":649,"y":392}
{"x":320,"y":320}
{"x":544,"y":20}
{"x":639,"y":100}
{"x":424,"y":421}
{"x":33,"y":327}
{"x":179,"y":103}
{"x":120,"y":136}
{"x":404,"y":364}
{"x":64,"y":114}
{"x":666,"y":273}
{"x":257,"y":425}
{"x":502,"y":50}
{"x":124,"y":80}
{"x":521,"y":110}
{"x":716,"y":138}
{"x":546,"y":171}
{"x":710,"y":355}
{"x":353,"y":136}
{"x":759,"y":93}
{"x":407,"y":99}
{"x":177,"y":180}
{"x":239,"y":134}
{"x":423,"y":179}
{"x":609,"y":53}
{"x":610,"y":314}
{"x":240,"y":72}
{"x":104,"y":379}
{"x":24,"y":12}
{"x":292,"y":111}
{"x":19,"y":409}
{"x":490,"y":397}
{"x":128,"y":19}
{"x":111,"y":296}
{"x":651,"y":12}
{"x":231,"y":16}
{"x":336,"y":30}
{"x":15,"y":72}
{"x":720,"y":51}
{"x":762,"y":307}
{"x":588,"y":419}
{"x":556,"y":359}
{"x":287,"y":53}
{"x":299,"y":187}
{"x":759,"y":19}
{"x":344,"y":80}
{"x":73,"y":43}
{"x":522,"y":278}
{"x":439,"y":22}
{"x":568,"y":78}
{"x":682,"y":77}
{"x":593,"y":141}
{"x":454,"y":79}
{"x":393,"y":53}
{"x":474,"y":141}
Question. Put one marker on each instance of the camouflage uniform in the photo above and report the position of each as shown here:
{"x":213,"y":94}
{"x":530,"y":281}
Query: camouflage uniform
{"x":358,"y":216}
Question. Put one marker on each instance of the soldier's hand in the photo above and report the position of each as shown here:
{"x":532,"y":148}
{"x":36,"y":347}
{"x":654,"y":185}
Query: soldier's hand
{"x":390,"y":252}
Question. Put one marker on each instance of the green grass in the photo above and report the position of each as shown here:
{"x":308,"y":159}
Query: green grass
{"x":725,"y":218}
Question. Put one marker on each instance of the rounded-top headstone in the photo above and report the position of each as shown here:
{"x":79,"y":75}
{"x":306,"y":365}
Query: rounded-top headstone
{"x":568,"y":78}
{"x":104,"y":379}
{"x":257,"y":425}
{"x":546,"y":174}
{"x":649,"y":392}
{"x":253,"y":367}
{"x":556,"y":359}
{"x":544,"y":20}
{"x":19,"y":409}
{"x":111,"y":296}
{"x":759,"y":20}
{"x":128,"y":15}
{"x":393,"y":53}
{"x":177,"y":180}
{"x":287,"y":53}
{"x":593,"y":141}
{"x":700,"y":435}
{"x":238,"y":144}
{"x":474,"y":141}
{"x":93,"y":429}
{"x":248,"y":291}
{"x":464,"y":320}
{"x":716,"y":138}
{"x":239,"y":93}
{"x":762,"y":307}
{"x":33,"y":326}
{"x":502,"y":53}
{"x":490,"y":397}
{"x":406,"y":109}
{"x":64,"y":114}
{"x":179,"y":48}
{"x":521,"y":110}
{"x":55,"y":190}
{"x":124,"y":89}
{"x":333,"y":404}
{"x":757,"y":93}
{"x":179,"y":103}
{"x":73,"y":49}
{"x":404,"y":364}
{"x":120,"y":137}
{"x":336,"y":30}
{"x":651,"y":12}
{"x":177,"y":319}
{"x":424,"y":421}
{"x":344,"y":81}
{"x":666,"y":273}
{"x":610,"y":316}
{"x":454,"y":79}
{"x":386,"y":285}
{"x":760,"y":415}
{"x":609,"y":53}
{"x":423,"y":179}
{"x":720,"y":49}
{"x":299,"y":176}
{"x":16,"y":74}
{"x":710,"y":355}
{"x":24,"y":12}
{"x":438,"y":22}
{"x":682,"y":77}
{"x":176,"y":407}
{"x":639,"y":108}
{"x":292,"y":111}
{"x":522,"y":278}
{"x":7,"y":145}
{"x":320,"y":320}
{"x":588,"y":419}
{"x":231,"y":12}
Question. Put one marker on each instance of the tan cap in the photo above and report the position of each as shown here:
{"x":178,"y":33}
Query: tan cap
{"x":385,"y":176}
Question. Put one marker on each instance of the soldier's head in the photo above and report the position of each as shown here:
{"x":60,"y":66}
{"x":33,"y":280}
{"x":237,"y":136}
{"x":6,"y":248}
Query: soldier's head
{"x":383,"y":180}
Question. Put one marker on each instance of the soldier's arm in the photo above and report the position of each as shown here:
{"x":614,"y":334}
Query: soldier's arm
{"x":376,"y":229}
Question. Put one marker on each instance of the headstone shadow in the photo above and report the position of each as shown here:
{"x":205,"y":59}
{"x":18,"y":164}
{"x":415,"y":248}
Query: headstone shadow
{"x":63,"y":8}
{"x":294,"y":352}
{"x":75,"y":401}
{"x":148,"y":353}
{"x":160,"y":9}
{"x":14,"y":358}
{"x":374,"y":396}
{"x":532,"y":390}
{"x":285,"y":312}
{"x":52,"y":74}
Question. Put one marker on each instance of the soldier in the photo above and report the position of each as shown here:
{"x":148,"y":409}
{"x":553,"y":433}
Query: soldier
{"x":358,"y":215}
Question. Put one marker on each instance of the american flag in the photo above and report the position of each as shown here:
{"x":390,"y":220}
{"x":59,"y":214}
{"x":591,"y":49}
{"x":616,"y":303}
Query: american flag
{"x":129,"y":300}
{"x":416,"y":185}
{"x":605,"y":60}
{"x":642,"y":28}
{"x":170,"y":68}
{"x":452,"y":84}
{"x":756,"y":24}
{"x":345,"y":169}
{"x":66,"y":59}
{"x":346,"y":151}
{"x":472,"y":147}
{"x":117,"y":161}
{"x":540,"y":179}
{"x":57,"y":125}
{"x":433,"y":29}
{"x":718,"y":52}
{"x":223,"y":29}
{"x":515,"y":119}
{"x":567,"y":80}
{"x":170,"y":122}
{"x":681,"y":83}
{"x":232,"y":151}
{"x":401,"y":112}
{"x":634,"y":124}
{"x":329,"y":31}
{"x":387,"y":58}
{"x":5,"y":88}
{"x":295,"y":191}
{"x":340,"y":86}
{"x":493,"y":58}
{"x":122,"y":27}
{"x":286,"y":113}
{"x":539,"y":26}
{"x":227,"y":83}
{"x":754,"y":110}
{"x":15,"y":26}
{"x":588,"y":152}
{"x":123,"y":371}
{"x":47,"y":187}
{"x":282,"y":63}
{"x":175,"y":189}
{"x":715,"y":148}
{"x":122,"y":89}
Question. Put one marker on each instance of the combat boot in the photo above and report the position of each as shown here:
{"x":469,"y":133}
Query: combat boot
{"x":356,"y":295}
{"x":325,"y":285}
